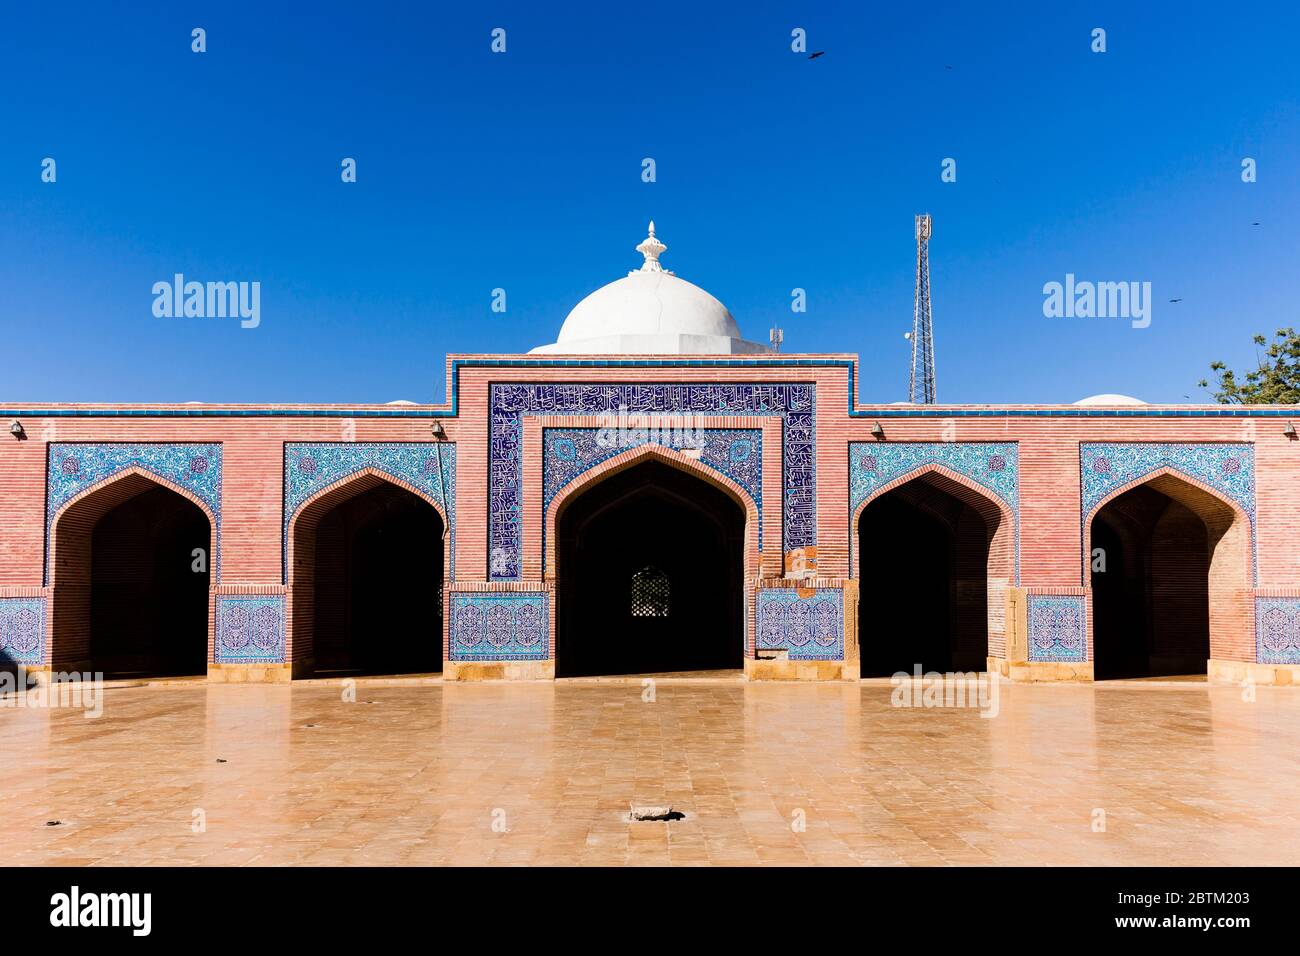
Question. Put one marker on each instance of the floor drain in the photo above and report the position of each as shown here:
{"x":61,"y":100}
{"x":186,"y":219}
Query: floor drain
{"x":655,"y":814}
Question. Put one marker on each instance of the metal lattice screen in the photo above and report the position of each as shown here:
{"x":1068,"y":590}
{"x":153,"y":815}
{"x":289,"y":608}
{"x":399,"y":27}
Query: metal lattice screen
{"x":651,"y":593}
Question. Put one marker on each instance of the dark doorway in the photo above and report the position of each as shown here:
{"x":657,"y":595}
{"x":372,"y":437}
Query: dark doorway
{"x":148,"y":590}
{"x":923,"y":568}
{"x":377,"y":596}
{"x":650,"y":567}
{"x":1150,"y":587}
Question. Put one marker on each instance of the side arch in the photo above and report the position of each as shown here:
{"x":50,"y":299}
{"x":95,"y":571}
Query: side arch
{"x":984,"y":566}
{"x":349,"y":486}
{"x":72,"y":527}
{"x":996,"y":513}
{"x":300,"y":556}
{"x":1226,"y":581}
{"x":138,"y":479}
{"x":1179,"y":479}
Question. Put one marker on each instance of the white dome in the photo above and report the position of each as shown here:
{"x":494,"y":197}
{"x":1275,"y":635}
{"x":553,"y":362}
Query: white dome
{"x":648,"y":303}
{"x":1110,"y":399}
{"x":650,"y":311}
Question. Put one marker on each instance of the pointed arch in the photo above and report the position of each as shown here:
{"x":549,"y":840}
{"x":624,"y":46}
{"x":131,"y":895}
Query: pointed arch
{"x":349,"y":486}
{"x":1179,"y":580}
{"x":300,"y":558}
{"x":652,"y":508}
{"x":980,"y":548}
{"x":997,"y":514}
{"x":94,"y":501}
{"x":72,"y":574}
{"x":1180,"y":480}
{"x":672,"y":458}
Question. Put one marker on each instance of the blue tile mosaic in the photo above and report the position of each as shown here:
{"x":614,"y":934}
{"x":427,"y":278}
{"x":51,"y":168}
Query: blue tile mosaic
{"x":499,"y":626}
{"x":1227,"y":468}
{"x":736,"y":453}
{"x":794,"y":403}
{"x":1277,"y":630}
{"x":22,"y":630}
{"x":809,"y":628}
{"x":74,"y":467}
{"x":1058,"y":627}
{"x":428,"y":466}
{"x":249,"y":629}
{"x":994,"y":466}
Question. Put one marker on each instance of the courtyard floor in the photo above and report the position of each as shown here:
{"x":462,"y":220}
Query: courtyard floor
{"x":536,"y":773}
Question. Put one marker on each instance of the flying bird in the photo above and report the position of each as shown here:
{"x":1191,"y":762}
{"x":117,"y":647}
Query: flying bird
{"x":1254,"y":224}
{"x":1175,"y":300}
{"x":813,"y":56}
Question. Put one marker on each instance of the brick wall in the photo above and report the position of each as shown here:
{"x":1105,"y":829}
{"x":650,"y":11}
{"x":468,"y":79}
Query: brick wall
{"x":1052,"y":533}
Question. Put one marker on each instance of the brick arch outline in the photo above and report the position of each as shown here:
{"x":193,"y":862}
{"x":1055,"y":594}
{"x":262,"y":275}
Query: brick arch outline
{"x":1232,"y":623}
{"x":675,"y":459}
{"x":1239,"y":513}
{"x":319,"y":504}
{"x":337,"y":492}
{"x":981,"y":498}
{"x":1003,"y":563}
{"x":107,"y":493}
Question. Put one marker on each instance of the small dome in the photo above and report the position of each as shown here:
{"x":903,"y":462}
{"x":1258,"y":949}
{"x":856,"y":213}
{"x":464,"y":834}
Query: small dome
{"x":650,"y":311}
{"x":1110,"y":399}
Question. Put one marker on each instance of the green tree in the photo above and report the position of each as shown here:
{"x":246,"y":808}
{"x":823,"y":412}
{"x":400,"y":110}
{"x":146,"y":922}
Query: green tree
{"x":1275,"y":381}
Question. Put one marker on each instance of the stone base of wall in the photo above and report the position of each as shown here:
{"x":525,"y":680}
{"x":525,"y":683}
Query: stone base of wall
{"x":1237,"y":671}
{"x":498,"y":670}
{"x":801,"y":670}
{"x":1029,"y":672}
{"x":249,"y":673}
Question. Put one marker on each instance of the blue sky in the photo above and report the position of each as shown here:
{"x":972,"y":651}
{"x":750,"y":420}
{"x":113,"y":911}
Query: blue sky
{"x":523,"y":171}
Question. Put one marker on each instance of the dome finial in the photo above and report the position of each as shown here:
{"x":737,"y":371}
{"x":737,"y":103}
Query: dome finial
{"x":651,"y":248}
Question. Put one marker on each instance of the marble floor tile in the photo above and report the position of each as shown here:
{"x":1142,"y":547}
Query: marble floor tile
{"x":542,"y":774}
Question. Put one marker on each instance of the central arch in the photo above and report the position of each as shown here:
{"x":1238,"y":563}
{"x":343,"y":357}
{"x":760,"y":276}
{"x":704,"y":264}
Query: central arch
{"x":650,"y":562}
{"x":936,"y":555}
{"x":367,"y":559}
{"x":1169,"y":568}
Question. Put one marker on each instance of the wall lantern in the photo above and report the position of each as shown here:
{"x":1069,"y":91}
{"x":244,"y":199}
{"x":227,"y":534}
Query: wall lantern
{"x":16,"y":429}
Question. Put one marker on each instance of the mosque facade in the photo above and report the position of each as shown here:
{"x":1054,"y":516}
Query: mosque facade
{"x":651,"y":494}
